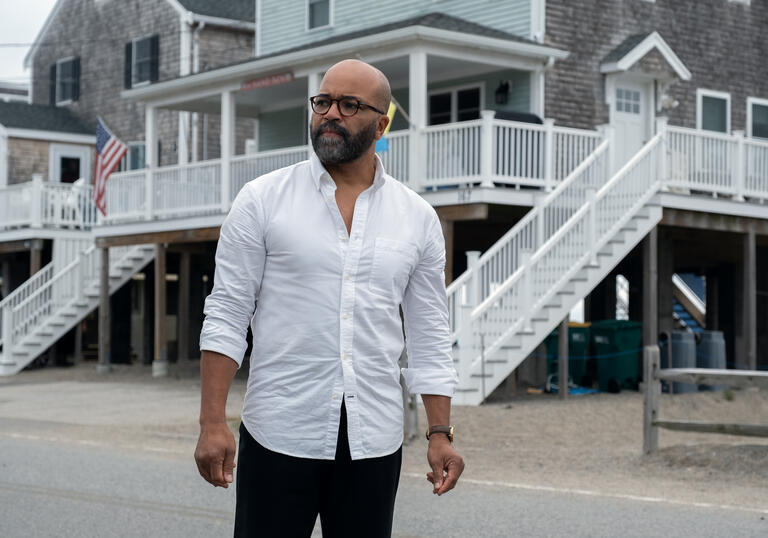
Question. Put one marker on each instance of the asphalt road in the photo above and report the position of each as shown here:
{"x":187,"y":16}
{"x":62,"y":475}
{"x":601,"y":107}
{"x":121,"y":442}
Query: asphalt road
{"x":82,"y":490}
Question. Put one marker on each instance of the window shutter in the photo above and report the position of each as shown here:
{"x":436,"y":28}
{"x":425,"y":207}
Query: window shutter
{"x":127,"y":70}
{"x":53,"y":85}
{"x":76,"y":81}
{"x":154,"y":50}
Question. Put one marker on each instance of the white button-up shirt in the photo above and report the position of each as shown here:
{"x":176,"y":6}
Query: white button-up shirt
{"x":327,"y":325}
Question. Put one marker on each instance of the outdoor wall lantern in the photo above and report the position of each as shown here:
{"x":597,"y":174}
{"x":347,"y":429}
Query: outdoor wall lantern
{"x":502,"y":92}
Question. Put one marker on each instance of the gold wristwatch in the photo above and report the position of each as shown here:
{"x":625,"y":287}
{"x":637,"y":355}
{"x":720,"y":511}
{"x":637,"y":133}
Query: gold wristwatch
{"x":447,"y":430}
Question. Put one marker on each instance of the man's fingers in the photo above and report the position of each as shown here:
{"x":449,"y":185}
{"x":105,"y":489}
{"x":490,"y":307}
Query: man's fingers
{"x":451,"y":478}
{"x":437,"y":477}
{"x":216,"y":468}
{"x":229,"y":465}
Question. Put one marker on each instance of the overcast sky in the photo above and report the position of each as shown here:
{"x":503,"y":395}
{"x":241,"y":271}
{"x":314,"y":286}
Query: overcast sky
{"x":19,"y":23}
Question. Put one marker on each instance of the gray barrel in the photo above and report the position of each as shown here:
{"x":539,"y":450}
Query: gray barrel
{"x":683,"y":355}
{"x":710,"y":353}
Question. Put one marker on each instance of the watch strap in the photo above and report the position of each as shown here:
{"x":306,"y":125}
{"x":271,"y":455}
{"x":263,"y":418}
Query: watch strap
{"x":447,"y":430}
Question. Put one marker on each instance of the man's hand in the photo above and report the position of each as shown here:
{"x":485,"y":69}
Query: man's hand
{"x":445,"y":462}
{"x":215,"y":454}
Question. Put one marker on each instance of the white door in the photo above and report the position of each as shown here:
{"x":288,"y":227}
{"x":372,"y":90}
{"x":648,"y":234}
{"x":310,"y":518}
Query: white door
{"x":630,"y":118}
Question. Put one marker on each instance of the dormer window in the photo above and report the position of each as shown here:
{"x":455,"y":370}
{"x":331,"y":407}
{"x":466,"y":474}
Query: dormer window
{"x":318,"y":13}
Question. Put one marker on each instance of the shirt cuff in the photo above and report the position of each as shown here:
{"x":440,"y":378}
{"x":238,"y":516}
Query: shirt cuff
{"x":222,"y":341}
{"x":439,"y":381}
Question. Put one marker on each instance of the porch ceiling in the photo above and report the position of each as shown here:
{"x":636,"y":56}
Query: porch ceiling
{"x":293,"y":94}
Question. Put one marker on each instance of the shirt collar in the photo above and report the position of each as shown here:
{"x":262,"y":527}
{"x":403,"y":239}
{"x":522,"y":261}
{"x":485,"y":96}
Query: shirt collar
{"x":320,"y":175}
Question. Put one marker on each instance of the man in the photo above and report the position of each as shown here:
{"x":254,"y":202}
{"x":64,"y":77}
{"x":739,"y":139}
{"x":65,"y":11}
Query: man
{"x":330,"y":249}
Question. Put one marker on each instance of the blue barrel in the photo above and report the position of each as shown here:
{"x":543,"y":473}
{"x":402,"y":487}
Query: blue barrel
{"x":683,"y":355}
{"x":710,"y":353}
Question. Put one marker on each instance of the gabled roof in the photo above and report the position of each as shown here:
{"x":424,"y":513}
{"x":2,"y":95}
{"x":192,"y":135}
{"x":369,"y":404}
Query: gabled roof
{"x":440,"y":21}
{"x":635,"y":47}
{"x":234,"y":13}
{"x":16,"y":115}
{"x":238,"y":10}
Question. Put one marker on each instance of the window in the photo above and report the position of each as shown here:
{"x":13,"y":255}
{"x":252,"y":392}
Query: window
{"x":65,"y":81}
{"x":134,"y":157}
{"x":141,"y":61}
{"x":455,"y":104}
{"x":757,"y":117}
{"x":627,"y":101}
{"x":713,"y":111}
{"x":318,"y":13}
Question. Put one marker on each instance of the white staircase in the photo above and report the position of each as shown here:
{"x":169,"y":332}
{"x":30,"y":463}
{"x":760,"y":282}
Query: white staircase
{"x":49,"y":304}
{"x":517,"y":292}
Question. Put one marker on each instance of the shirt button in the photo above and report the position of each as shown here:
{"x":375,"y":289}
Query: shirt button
{"x":347,"y":276}
{"x":346,"y":316}
{"x":346,"y":356}
{"x":330,"y":198}
{"x":334,"y":397}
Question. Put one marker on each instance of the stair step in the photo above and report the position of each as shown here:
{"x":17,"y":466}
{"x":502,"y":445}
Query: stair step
{"x":511,"y":346}
{"x":7,"y":363}
{"x":81,"y":304}
{"x":496,"y":361}
{"x":20,"y":353}
{"x":43,"y":333}
{"x":565,"y":292}
{"x":486,"y":376}
{"x":578,"y":278}
{"x":56,"y":323}
{"x":32,"y":344}
{"x":68,"y":314}
{"x":628,"y":227}
{"x":525,"y":331}
{"x":91,"y":293}
{"x":467,"y":390}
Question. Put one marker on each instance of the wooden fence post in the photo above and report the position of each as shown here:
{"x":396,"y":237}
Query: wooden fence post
{"x":651,"y":393}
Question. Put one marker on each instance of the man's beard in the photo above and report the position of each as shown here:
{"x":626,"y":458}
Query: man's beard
{"x":332,"y":150}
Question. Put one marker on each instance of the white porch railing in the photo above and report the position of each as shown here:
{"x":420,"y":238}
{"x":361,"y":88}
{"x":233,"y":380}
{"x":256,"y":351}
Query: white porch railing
{"x":248,"y":167}
{"x":39,"y":204}
{"x":484,"y":151}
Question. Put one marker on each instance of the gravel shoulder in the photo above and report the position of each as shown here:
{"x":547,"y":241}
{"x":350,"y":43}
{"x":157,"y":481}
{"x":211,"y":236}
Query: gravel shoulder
{"x":587,"y":443}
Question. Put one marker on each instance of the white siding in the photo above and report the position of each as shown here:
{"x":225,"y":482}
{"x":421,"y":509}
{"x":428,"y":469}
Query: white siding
{"x":284,"y":22}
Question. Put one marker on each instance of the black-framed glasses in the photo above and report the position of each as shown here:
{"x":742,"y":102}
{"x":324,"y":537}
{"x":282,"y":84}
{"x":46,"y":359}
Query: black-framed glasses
{"x":348,"y":106}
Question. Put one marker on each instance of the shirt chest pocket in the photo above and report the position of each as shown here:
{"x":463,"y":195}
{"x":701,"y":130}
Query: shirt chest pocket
{"x":392,"y":264}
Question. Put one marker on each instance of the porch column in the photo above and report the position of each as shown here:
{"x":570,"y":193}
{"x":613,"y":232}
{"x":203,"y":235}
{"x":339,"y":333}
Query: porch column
{"x":183,"y":317}
{"x":417,"y":110}
{"x":313,"y":86}
{"x":160,"y":362}
{"x":537,"y":92}
{"x":181,"y":144}
{"x":151,"y":158}
{"x":652,"y":387}
{"x":35,"y":256}
{"x":666,"y":269}
{"x":746,"y":354}
{"x":104,"y":317}
{"x":227,"y":145}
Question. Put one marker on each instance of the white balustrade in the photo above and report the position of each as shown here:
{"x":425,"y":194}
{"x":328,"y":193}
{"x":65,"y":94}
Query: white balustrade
{"x":248,"y":167}
{"x":452,"y":154}
{"x":190,"y":189}
{"x":395,"y":159}
{"x":16,"y":205}
{"x":125,"y":196}
{"x":702,"y":161}
{"x":756,"y":168}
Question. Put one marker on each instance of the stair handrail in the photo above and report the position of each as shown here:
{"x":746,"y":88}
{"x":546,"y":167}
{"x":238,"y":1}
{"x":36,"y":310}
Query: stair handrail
{"x":454,"y":287}
{"x":27,"y":283}
{"x":499,"y":293}
{"x":689,"y":294}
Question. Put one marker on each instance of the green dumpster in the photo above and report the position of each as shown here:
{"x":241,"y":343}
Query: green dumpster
{"x":578,"y":351}
{"x":617,"y":348}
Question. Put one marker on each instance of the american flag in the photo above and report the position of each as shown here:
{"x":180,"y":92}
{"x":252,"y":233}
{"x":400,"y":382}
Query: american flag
{"x":109,"y":151}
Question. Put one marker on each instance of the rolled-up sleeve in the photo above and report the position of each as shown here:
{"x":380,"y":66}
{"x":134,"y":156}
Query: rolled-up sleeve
{"x":425,"y":313}
{"x":240,"y":258}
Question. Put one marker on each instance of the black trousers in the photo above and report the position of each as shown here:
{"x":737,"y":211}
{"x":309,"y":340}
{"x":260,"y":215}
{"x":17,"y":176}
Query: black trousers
{"x":280,"y":496}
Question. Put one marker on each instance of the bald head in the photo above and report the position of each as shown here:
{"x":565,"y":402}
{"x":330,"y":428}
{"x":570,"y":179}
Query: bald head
{"x":355,"y":77}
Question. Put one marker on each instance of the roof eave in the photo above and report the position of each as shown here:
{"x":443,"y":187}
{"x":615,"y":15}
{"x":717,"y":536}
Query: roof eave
{"x":653,"y":40}
{"x":351,"y":46}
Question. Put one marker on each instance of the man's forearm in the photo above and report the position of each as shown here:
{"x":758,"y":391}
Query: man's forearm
{"x":216,"y":374}
{"x":438,"y":409}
